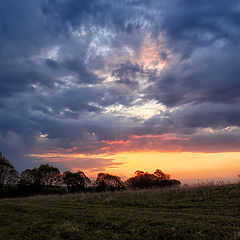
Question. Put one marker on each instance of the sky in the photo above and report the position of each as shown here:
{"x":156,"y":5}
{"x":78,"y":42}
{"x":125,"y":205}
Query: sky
{"x":119,"y":86}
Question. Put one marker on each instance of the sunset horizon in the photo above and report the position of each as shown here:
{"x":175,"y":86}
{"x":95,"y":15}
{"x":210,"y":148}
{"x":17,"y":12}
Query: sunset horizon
{"x":180,"y":165}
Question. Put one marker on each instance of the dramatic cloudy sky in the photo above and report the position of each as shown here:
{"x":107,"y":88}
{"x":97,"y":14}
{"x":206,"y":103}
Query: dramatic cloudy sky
{"x":104,"y":85}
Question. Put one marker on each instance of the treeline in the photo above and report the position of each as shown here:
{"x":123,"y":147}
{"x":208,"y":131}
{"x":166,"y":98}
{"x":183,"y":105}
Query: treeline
{"x":47,"y":179}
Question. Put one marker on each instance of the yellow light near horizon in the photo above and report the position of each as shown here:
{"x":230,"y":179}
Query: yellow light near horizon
{"x":181,"y":165}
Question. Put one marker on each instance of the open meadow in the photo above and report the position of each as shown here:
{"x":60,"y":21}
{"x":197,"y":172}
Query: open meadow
{"x":210,"y":212}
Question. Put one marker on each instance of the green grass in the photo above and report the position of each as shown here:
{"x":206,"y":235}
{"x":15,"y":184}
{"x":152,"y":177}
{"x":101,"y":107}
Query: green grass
{"x":211,"y":212}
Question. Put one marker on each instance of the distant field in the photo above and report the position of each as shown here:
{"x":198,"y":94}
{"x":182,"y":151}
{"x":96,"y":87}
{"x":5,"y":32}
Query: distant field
{"x":186,"y":213}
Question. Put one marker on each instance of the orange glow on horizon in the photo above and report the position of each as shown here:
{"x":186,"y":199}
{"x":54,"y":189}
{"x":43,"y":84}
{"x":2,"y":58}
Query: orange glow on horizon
{"x":183,"y":165}
{"x":180,"y":165}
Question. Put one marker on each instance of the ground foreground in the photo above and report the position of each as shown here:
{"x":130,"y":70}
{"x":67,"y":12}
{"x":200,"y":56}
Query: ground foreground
{"x":186,"y":213}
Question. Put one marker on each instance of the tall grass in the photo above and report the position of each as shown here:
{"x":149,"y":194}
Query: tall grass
{"x":193,"y":212}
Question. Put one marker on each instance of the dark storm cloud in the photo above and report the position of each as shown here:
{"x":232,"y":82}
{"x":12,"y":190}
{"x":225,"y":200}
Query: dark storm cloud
{"x":205,"y":34}
{"x":22,"y":28}
{"x":97,"y":12}
{"x":55,"y":55}
{"x":19,"y":77}
{"x":210,"y":75}
{"x":189,"y":24}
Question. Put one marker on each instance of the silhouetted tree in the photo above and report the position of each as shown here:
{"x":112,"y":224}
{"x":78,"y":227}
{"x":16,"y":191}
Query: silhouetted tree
{"x":30,"y":177}
{"x":141,"y":180}
{"x":108,"y":182}
{"x":75,"y":182}
{"x":148,"y":180}
{"x":43,"y":175}
{"x":8,"y":175}
{"x":42,"y":180}
{"x":49,"y":175}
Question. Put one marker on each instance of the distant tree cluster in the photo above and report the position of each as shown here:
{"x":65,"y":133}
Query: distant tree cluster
{"x":148,"y":180}
{"x":47,"y":179}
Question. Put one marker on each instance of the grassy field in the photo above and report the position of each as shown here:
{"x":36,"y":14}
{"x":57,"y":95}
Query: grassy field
{"x":211,"y":212}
